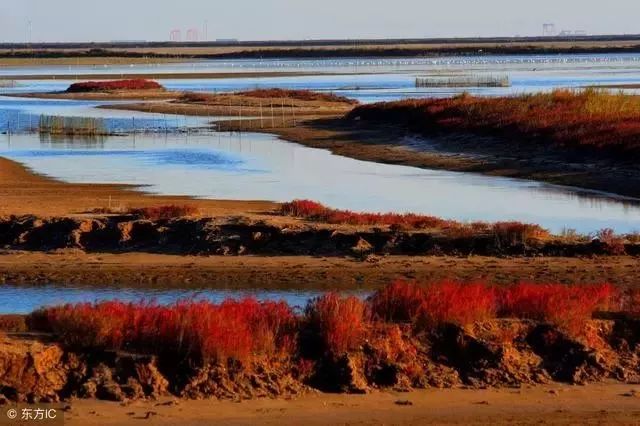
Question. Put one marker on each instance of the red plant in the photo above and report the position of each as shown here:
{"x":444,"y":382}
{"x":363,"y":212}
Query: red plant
{"x":105,"y":86}
{"x":301,"y":95}
{"x":398,"y":302}
{"x":337,"y":323}
{"x":433,"y":304}
{"x":506,"y":233}
{"x":195,"y":330}
{"x":163,"y":212}
{"x":568,"y":306}
{"x":458,"y":303}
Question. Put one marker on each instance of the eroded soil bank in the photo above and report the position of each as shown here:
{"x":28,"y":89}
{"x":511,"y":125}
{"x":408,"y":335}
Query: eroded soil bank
{"x":498,"y":353}
{"x":238,"y":236}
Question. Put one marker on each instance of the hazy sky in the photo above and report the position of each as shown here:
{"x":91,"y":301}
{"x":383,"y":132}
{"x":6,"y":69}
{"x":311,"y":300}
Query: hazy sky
{"x":95,"y":20}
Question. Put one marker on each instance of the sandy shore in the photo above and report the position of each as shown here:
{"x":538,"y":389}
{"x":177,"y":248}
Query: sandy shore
{"x":24,"y":192}
{"x":558,"y":404}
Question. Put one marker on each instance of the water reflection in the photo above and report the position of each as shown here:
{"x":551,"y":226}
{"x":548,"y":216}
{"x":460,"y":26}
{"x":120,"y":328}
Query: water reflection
{"x":26,"y":299}
{"x":261,"y":167}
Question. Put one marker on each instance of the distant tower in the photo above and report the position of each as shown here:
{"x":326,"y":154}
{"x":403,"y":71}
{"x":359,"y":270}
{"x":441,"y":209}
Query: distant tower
{"x":175,"y":35}
{"x":205,"y":33}
{"x":193,"y":34}
{"x":549,"y":30}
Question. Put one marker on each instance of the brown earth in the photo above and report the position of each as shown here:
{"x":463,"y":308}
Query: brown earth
{"x":24,"y":192}
{"x":597,"y":404}
{"x":74,"y":267}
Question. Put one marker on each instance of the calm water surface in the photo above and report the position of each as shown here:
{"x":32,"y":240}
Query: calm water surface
{"x":371,"y":79}
{"x":25,"y":299}
{"x":262,"y":167}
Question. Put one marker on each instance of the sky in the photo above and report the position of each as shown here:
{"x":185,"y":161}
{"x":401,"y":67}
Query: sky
{"x":91,"y":20}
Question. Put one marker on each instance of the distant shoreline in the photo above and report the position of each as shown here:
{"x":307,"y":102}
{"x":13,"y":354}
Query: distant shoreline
{"x":400,"y":48}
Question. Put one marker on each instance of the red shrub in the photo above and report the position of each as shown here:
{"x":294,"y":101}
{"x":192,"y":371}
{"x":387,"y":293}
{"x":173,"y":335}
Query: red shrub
{"x":506,"y":233}
{"x":164,"y":212}
{"x":433,"y":304}
{"x":105,"y":86}
{"x":301,"y":95}
{"x":315,"y":211}
{"x":336,"y":323}
{"x":568,"y":306}
{"x":399,"y":302}
{"x":458,"y":303}
{"x":195,"y":330}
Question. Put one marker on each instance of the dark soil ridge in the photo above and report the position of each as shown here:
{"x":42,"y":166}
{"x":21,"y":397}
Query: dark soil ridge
{"x":497,"y":353}
{"x":240,"y":236}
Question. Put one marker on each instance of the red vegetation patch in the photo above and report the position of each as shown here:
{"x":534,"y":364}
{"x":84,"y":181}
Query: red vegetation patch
{"x":434,"y":304}
{"x":164,"y":212}
{"x":595,"y":121}
{"x":300,"y":95}
{"x":106,"y":86}
{"x":195,"y":330}
{"x":336,"y":323}
{"x":567,"y":306}
{"x":201,"y":332}
{"x":505,"y":232}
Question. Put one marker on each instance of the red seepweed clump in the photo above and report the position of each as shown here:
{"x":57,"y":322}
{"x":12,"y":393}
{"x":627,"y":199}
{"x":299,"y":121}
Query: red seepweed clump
{"x":336,"y":324}
{"x":195,"y":330}
{"x":434,"y":304}
{"x":568,"y":306}
{"x":504,"y":232}
{"x":301,"y":95}
{"x":202,"y":332}
{"x":106,"y":86}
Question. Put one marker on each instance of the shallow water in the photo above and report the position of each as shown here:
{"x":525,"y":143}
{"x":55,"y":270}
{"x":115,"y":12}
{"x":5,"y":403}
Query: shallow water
{"x":371,"y":79}
{"x":26,"y":299}
{"x":260,"y":167}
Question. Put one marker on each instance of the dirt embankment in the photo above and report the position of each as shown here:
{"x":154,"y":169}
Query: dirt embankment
{"x":496,"y":353}
{"x":241,"y":236}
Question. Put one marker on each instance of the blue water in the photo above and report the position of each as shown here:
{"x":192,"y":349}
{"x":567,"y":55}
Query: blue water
{"x":23,"y":115}
{"x":260,"y":167}
{"x":26,"y":299}
{"x":373,"y":79}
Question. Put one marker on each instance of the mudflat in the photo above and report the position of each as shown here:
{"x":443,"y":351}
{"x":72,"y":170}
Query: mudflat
{"x":75,"y":267}
{"x":24,"y":192}
{"x":558,"y":405}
